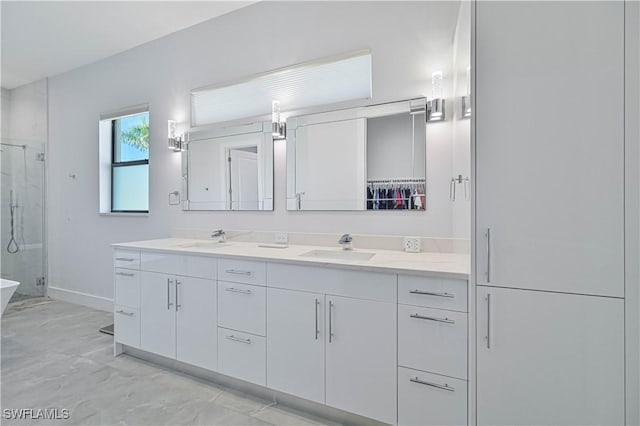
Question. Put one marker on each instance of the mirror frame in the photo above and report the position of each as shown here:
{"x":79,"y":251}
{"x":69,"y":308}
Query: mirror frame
{"x":261,"y":127}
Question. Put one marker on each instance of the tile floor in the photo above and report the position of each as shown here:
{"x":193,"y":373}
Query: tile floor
{"x":54,"y":357}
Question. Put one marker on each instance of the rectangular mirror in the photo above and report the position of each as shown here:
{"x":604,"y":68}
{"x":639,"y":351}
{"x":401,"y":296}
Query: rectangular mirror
{"x":229,"y":169}
{"x":367,"y":158}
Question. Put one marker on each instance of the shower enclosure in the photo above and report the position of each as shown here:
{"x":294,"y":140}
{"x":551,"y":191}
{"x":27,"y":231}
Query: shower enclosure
{"x":22,"y":217}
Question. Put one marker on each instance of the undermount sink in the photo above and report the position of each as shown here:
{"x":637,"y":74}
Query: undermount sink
{"x":339,"y":254}
{"x":203,"y":244}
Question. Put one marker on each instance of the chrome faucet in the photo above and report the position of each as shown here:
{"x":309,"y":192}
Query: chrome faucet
{"x":220,"y":235}
{"x":345,"y":241}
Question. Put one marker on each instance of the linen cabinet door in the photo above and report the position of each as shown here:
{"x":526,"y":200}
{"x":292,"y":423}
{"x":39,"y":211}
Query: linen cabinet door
{"x":549,"y":156}
{"x":549,"y":359}
{"x":157,"y":314}
{"x":295,"y":343}
{"x":196,"y":322}
{"x":361,"y":357}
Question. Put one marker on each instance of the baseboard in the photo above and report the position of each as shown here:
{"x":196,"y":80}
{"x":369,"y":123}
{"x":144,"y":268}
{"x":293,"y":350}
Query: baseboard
{"x":79,"y":298}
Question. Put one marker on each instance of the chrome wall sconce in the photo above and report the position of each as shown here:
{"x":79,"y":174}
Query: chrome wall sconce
{"x":436,"y":106}
{"x":278,"y":128}
{"x":176,"y":142}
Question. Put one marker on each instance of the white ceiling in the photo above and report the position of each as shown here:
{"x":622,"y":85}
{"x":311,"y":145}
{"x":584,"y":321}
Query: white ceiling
{"x":44,"y":38}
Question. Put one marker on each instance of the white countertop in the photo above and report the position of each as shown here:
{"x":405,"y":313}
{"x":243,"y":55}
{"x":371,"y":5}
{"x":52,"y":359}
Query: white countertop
{"x":446,"y":265}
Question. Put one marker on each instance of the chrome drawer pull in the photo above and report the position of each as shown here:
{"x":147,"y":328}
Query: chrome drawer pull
{"x":317,"y":329}
{"x":129,"y":314}
{"x":445,"y":320}
{"x":236,"y":290}
{"x":429,"y":293}
{"x":236,"y":272}
{"x":236,"y":339}
{"x":125,"y":274}
{"x":125,"y":259}
{"x":433,"y":385}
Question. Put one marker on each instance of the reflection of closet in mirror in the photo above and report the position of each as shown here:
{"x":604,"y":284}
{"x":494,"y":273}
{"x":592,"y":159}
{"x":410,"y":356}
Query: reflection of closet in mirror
{"x":396,"y":162}
{"x":336,"y":159}
{"x":229,"y":169}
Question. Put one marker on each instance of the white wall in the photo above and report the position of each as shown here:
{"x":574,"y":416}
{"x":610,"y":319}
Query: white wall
{"x":408,"y":41}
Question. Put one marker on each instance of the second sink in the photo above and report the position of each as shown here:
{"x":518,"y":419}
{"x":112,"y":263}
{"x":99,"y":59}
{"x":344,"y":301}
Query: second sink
{"x":339,"y":255}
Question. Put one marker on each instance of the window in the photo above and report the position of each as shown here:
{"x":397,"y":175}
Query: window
{"x":124,"y":162}
{"x":130,"y":164}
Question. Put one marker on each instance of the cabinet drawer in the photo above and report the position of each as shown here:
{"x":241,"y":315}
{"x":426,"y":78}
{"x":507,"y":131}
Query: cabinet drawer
{"x":127,"y":288}
{"x":242,"y":307}
{"x":433,"y":292}
{"x":433,"y":340}
{"x":165,"y":263}
{"x":126,"y":325}
{"x":200,"y":267}
{"x":242,"y":355}
{"x":335,"y":281}
{"x":430,"y":399}
{"x":126,"y":259}
{"x":242,"y":271}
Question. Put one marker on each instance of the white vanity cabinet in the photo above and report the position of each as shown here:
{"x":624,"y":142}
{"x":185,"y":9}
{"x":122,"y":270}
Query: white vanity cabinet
{"x":549,"y":183}
{"x":332,"y":335}
{"x":242,"y":305}
{"x":548,"y":358}
{"x":345,"y":320}
{"x":361,"y":357}
{"x":295,"y":343}
{"x":178,"y":307}
{"x":549,"y":173}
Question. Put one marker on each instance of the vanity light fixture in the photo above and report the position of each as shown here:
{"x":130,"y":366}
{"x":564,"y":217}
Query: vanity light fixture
{"x":279,"y":128}
{"x":466,"y":99}
{"x":436,"y":104}
{"x":176,"y":142}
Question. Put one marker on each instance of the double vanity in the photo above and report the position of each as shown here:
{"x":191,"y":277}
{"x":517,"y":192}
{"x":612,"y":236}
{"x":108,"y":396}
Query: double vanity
{"x":377,"y":333}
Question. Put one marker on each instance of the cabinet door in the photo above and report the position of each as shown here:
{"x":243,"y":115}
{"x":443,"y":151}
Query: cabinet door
{"x":295,"y":343}
{"x":549,"y":145}
{"x":157,"y":314}
{"x":361,"y":357}
{"x":196,"y":322}
{"x":549,"y":359}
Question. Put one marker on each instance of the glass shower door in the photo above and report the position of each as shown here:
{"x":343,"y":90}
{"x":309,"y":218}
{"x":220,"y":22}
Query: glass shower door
{"x":22,"y":216}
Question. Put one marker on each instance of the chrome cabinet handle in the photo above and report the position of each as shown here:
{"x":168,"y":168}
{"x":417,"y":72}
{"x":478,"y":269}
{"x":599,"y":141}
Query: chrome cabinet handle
{"x":317,"y":329}
{"x":177,"y":304}
{"x":429,"y":293}
{"x":445,"y":320}
{"x":129,"y":314}
{"x":237,"y":272}
{"x":125,"y":274}
{"x":433,"y":385}
{"x":125,"y":259}
{"x":236,"y":339}
{"x":488,"y":320}
{"x":237,"y":290}
{"x":330,"y":321}
{"x":169,"y":304}
{"x":488,"y":235}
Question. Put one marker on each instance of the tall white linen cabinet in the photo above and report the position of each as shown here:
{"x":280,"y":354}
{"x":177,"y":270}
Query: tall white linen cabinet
{"x":549,"y":264}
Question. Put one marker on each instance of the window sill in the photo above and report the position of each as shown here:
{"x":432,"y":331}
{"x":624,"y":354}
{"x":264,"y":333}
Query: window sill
{"x":124,"y":214}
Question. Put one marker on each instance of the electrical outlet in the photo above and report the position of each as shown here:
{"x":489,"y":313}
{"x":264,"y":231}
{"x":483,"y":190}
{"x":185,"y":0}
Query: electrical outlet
{"x":412,"y":244}
{"x":281,"y":237}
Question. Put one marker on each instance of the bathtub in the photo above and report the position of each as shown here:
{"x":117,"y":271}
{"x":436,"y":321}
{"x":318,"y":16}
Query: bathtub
{"x":7,"y":287}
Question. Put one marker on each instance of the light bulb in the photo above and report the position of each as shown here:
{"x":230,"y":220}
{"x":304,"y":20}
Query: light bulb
{"x":171,"y":129}
{"x":436,"y":85}
{"x":275,"y":111}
